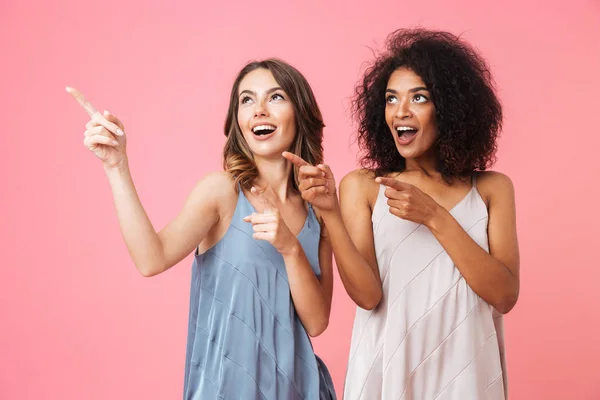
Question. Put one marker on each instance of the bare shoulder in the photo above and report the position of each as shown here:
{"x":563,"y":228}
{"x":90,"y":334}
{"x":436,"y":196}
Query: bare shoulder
{"x":360,"y":175}
{"x":217,"y":188}
{"x":359,"y":185}
{"x":494,"y":185}
{"x":221,"y":182}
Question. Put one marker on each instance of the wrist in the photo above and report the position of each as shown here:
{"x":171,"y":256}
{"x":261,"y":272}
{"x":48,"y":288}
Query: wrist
{"x":119,"y":169}
{"x":332,"y":213}
{"x":292,"y":249}
{"x":437,"y":219}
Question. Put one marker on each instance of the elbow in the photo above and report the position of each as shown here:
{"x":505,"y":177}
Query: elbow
{"x":505,"y":304}
{"x":369,"y":302}
{"x":148,"y":271}
{"x":318,"y":328}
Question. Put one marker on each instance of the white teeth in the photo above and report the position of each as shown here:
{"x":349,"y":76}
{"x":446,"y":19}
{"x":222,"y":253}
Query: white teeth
{"x":405,"y":128}
{"x":263,"y":128}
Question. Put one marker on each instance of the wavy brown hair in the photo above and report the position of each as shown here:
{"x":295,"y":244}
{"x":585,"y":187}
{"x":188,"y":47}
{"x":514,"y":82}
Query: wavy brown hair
{"x":238,"y":159}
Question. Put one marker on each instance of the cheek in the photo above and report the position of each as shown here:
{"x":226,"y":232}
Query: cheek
{"x":432,"y":120}
{"x":389,"y":115}
{"x":389,"y":119}
{"x":427,"y":120}
{"x":243,"y":116}
{"x":286,"y":117}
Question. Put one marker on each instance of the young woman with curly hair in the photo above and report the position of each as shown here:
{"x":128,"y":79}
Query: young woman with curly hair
{"x":262,"y":272}
{"x":424,"y":239}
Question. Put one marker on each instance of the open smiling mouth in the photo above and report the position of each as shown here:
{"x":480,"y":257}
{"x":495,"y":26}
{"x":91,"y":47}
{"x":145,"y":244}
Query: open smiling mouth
{"x":406,"y":133}
{"x":262,"y":130}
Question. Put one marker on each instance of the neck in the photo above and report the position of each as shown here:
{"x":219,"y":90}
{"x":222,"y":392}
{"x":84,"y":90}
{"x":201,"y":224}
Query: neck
{"x":275,"y":176}
{"x":427,"y":165}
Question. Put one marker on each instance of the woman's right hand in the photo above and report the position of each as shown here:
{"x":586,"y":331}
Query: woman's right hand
{"x":316,"y":183}
{"x":104,"y":135}
{"x":104,"y":144}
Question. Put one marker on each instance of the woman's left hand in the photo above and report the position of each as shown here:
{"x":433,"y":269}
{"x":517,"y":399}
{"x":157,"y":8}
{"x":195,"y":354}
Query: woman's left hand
{"x":271,"y":227}
{"x":408,"y":202}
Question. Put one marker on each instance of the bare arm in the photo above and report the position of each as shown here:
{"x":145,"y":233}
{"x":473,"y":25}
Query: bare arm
{"x":151,"y":252}
{"x":311,"y":296}
{"x":493,"y":276}
{"x":154,"y":252}
{"x":349,"y":225}
{"x":351,"y":232}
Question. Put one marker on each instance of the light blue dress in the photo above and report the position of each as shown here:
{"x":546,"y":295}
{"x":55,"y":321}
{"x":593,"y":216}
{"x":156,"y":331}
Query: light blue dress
{"x":245,"y":340}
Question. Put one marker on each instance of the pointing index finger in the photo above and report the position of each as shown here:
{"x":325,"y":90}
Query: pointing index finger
{"x":87,"y":106}
{"x":93,"y":113}
{"x":294,"y":159}
{"x":392,"y":183}
{"x":267,"y":204}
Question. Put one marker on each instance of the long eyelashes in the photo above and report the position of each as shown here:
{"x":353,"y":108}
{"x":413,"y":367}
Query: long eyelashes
{"x":275,"y":96}
{"x":417,"y":98}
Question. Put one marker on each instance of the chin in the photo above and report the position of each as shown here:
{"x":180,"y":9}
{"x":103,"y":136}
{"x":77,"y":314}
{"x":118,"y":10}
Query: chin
{"x":407,"y":153}
{"x":414,"y":150}
{"x":268,"y":150}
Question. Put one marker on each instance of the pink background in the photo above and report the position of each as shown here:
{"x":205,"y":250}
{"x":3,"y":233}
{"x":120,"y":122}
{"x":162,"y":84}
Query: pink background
{"x":79,"y":322}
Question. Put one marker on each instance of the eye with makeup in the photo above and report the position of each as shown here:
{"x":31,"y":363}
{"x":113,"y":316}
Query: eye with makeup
{"x":274,"y":97}
{"x":277,"y":96}
{"x":391,"y":99}
{"x":419,"y":98}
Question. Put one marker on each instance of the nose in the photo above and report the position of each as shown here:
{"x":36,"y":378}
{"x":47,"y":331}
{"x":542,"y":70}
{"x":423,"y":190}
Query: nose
{"x":260,"y":110}
{"x":403,"y":111}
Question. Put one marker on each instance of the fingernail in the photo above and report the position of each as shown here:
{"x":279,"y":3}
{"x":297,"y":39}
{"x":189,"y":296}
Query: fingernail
{"x":106,"y":112}
{"x":115,"y":142}
{"x":120,"y":132}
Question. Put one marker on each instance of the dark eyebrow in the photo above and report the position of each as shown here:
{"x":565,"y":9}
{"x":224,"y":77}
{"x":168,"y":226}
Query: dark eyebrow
{"x":416,"y":89}
{"x":275,"y":89}
{"x":250,"y":92}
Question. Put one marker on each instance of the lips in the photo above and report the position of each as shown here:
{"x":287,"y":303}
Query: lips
{"x":263,"y":129}
{"x":406,"y":134}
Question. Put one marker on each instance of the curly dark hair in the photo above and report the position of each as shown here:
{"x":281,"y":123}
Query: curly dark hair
{"x":468,"y":113}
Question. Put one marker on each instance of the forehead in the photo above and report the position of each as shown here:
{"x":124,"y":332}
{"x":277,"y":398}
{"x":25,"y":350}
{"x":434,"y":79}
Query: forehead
{"x":258,"y":80}
{"x":404,"y":79}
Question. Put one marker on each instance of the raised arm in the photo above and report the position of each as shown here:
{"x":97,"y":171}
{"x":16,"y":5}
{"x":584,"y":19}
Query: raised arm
{"x":152,"y":252}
